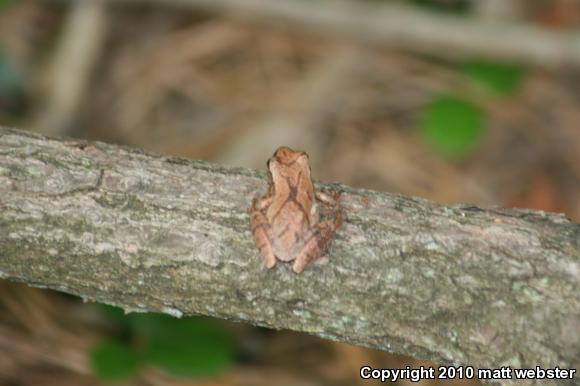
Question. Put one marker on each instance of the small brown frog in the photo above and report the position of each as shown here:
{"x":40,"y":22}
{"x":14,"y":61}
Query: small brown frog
{"x":285,"y":222}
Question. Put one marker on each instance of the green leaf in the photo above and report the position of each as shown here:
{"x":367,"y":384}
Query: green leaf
{"x":12,"y":92}
{"x":112,"y":360}
{"x":113,"y":312}
{"x":185,"y":347}
{"x":10,"y":79}
{"x":500,"y":78}
{"x":117,"y":316}
{"x":451,"y":126}
{"x":6,"y":3}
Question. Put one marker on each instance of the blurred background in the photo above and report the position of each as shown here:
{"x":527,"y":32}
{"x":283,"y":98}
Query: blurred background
{"x":451,"y":100}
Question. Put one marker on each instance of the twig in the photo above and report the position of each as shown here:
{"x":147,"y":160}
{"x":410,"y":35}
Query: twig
{"x":452,"y":284}
{"x":72,"y":65}
{"x":406,"y":28}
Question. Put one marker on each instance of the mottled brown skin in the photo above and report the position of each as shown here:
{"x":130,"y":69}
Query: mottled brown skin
{"x":285,"y":221}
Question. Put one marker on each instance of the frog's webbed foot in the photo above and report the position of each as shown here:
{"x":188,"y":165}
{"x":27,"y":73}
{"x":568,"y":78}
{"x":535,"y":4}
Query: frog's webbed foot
{"x":317,"y":240}
{"x":262,"y":234}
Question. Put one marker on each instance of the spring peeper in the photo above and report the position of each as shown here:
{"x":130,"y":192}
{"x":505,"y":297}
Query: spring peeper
{"x":285,"y":222}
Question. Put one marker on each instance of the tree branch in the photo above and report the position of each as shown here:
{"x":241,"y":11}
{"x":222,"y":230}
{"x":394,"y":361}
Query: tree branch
{"x":405,"y":27}
{"x":448,"y":283}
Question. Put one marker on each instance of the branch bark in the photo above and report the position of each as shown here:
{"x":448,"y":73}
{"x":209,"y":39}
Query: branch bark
{"x":405,"y":27}
{"x":449,"y":283}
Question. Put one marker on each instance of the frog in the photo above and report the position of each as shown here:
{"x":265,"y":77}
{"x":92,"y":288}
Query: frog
{"x":285,"y":222}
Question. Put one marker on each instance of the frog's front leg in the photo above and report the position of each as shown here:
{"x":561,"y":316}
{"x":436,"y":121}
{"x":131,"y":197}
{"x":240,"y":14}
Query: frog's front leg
{"x":316,"y":241}
{"x":262,"y":231}
{"x":328,"y":199}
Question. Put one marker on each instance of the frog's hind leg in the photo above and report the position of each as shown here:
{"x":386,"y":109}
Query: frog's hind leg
{"x":262,"y":234}
{"x":316,"y":242}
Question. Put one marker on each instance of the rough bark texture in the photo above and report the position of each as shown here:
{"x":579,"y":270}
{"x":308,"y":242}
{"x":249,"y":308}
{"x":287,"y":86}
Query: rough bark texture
{"x":449,"y":283}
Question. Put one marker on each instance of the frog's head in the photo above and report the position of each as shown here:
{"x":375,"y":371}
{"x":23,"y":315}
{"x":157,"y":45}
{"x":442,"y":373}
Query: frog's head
{"x":287,"y":163}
